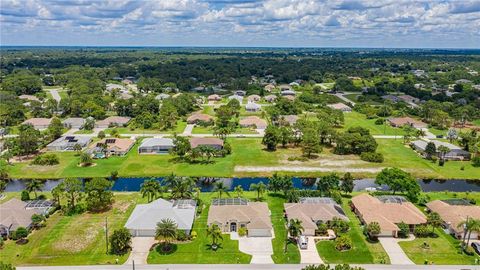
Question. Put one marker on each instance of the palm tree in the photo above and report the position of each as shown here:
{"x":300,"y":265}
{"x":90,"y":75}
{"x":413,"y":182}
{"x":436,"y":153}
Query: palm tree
{"x":239,"y":190}
{"x":220,"y":188}
{"x":295,"y":228}
{"x":33,"y":186}
{"x":434,"y":220}
{"x":184,"y":188}
{"x":469,"y":225}
{"x":166,"y":231}
{"x":259,"y":188}
{"x":150,"y":189}
{"x":216,"y":234}
{"x":443,"y":151}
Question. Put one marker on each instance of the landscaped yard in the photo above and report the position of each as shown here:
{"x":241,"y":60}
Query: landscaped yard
{"x":362,"y":251}
{"x":127,"y":130}
{"x":72,"y":240}
{"x":209,"y":130}
{"x":83,"y":131}
{"x":198,"y":251}
{"x":353,"y":119}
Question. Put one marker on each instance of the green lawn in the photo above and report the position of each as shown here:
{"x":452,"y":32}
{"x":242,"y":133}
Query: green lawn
{"x":362,"y":252}
{"x":84,"y":131}
{"x":198,"y":251}
{"x":292,"y":255}
{"x":477,"y":122}
{"x":127,"y":130}
{"x":72,"y":240}
{"x":353,"y":119}
{"x":208,"y":109}
{"x":209,"y":130}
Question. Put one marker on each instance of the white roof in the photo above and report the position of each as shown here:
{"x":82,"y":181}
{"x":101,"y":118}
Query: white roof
{"x":252,"y":106}
{"x":146,"y":216}
{"x":150,"y":142}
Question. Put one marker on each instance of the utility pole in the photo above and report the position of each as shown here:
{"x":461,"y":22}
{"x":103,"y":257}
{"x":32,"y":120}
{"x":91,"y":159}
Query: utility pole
{"x":106,"y":234}
{"x":133,"y":264}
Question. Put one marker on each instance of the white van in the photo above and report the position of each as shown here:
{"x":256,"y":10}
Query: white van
{"x":303,"y":242}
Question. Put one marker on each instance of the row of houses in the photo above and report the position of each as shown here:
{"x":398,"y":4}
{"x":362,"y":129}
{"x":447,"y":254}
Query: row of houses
{"x":76,"y":122}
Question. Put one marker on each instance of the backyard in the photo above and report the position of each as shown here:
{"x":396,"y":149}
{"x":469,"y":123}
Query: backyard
{"x":354,"y":119}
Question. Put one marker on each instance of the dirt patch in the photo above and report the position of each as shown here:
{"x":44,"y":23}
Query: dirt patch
{"x":79,"y":234}
{"x":122,"y":206}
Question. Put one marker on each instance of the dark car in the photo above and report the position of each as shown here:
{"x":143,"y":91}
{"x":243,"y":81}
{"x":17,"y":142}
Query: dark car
{"x":476,"y":247}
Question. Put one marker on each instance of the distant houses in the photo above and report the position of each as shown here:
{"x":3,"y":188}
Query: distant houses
{"x":237,"y":97}
{"x":402,"y":121}
{"x":388,"y":212}
{"x":29,"y":98}
{"x":270,"y":98}
{"x":155,"y":146}
{"x":288,"y":119}
{"x":144,"y":218}
{"x":214,"y":97}
{"x":454,"y":153}
{"x":453,"y":213}
{"x":211,"y":142}
{"x":231,"y":214}
{"x":252,"y":107}
{"x":199,"y":118}
{"x":313,"y":211}
{"x":162,"y":96}
{"x":68,"y":143}
{"x":38,"y":123}
{"x":113,"y":121}
{"x":254,"y":98}
{"x":253,"y":121}
{"x":74,"y":122}
{"x":340,"y":106}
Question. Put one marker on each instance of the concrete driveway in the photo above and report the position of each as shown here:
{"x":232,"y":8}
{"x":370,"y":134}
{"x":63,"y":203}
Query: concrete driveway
{"x":259,"y":247}
{"x":140,"y":248}
{"x":310,"y":255}
{"x":394,"y":251}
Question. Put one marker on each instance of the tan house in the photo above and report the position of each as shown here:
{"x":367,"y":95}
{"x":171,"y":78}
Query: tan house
{"x":16,"y":213}
{"x":234,"y":213}
{"x":289,"y":119}
{"x":254,"y":98}
{"x":28,"y":98}
{"x":112,"y":147}
{"x":198,"y":118}
{"x":270,"y":98}
{"x":453,"y":213}
{"x":38,"y":123}
{"x":253,"y":121}
{"x":402,"y":121}
{"x":388,"y":211}
{"x":113,"y":121}
{"x":269,"y":87}
{"x":212,"y":142}
{"x":313,"y":211}
{"x":214,"y":97}
{"x":340,"y":106}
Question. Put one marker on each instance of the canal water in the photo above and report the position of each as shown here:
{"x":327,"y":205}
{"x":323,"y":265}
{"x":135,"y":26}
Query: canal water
{"x":206,"y":184}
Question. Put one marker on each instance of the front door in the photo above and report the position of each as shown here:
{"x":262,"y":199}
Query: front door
{"x":233,"y":227}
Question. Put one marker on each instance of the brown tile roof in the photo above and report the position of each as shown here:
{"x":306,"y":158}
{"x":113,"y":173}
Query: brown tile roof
{"x":254,"y":97}
{"x":339,"y":106}
{"x":310,"y":212}
{"x":194,"y":142}
{"x":38,"y":121}
{"x":199,"y":117}
{"x":454,"y":214}
{"x":401,"y":121}
{"x":113,"y":120}
{"x":387,"y":214}
{"x":291,"y":119}
{"x":13,"y":214}
{"x":214,"y":97}
{"x":256,"y":214}
{"x":253,"y":121}
{"x":116,"y":144}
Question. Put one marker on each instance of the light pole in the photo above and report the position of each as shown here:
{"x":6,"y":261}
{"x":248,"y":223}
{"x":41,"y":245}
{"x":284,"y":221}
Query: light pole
{"x":106,"y":234}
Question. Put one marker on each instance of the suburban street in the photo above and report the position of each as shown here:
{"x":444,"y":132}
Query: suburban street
{"x":245,"y":267}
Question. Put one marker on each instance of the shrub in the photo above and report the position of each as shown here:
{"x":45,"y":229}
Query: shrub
{"x":242,"y":231}
{"x":2,"y":242}
{"x":6,"y":266}
{"x":343,"y":243}
{"x":25,"y":196}
{"x":21,"y":232}
{"x":379,"y":121}
{"x":422,"y":231}
{"x":338,"y":225}
{"x":193,"y":234}
{"x":120,"y":241}
{"x":469,"y":251}
{"x":476,"y":161}
{"x":181,"y":235}
{"x":46,"y":160}
{"x":372,"y":157}
{"x":321,"y":229}
{"x":373,"y":230}
{"x":404,"y":230}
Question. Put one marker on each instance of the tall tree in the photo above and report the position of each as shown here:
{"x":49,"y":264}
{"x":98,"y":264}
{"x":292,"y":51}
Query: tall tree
{"x":214,"y":232}
{"x":259,"y":188}
{"x":166,"y":231}
{"x":221,"y":189}
{"x":99,"y":194}
{"x":34,"y":185}
{"x":347,"y":184}
{"x":151,"y":189}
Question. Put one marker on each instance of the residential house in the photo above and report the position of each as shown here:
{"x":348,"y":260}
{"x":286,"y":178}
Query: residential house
{"x":252,"y":107}
{"x":270,"y":98}
{"x":198,"y":118}
{"x":285,"y":87}
{"x":16,"y":213}
{"x":454,"y":153}
{"x":38,"y":123}
{"x":74,"y":122}
{"x":125,"y":95}
{"x":214,"y":97}
{"x":287,"y":93}
{"x":237,"y":97}
{"x":289,"y":97}
{"x":212,"y":142}
{"x":455,"y":212}
{"x":155,"y":146}
{"x":253,"y":121}
{"x":289,"y":119}
{"x":114,"y":86}
{"x":463,"y":81}
{"x":240,"y":93}
{"x":231,"y":214}
{"x":402,"y":121}
{"x":254,"y":98}
{"x":162,"y":96}
{"x":388,"y":212}
{"x":409,"y":99}
{"x":113,"y":121}
{"x":145,"y":217}
{"x":392,"y":98}
{"x":269,"y":87}
{"x":29,"y":98}
{"x":313,"y":211}
{"x":340,"y":106}
{"x":67,"y":143}
{"x":111,"y":147}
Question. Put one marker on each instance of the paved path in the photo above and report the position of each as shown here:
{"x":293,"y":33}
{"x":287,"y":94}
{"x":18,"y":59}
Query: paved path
{"x":310,"y":255}
{"x":259,"y":247}
{"x":55,"y":94}
{"x":394,"y":251}
{"x":188,"y":130}
{"x":244,"y":267}
{"x":140,"y":248}
{"x":342,"y":97}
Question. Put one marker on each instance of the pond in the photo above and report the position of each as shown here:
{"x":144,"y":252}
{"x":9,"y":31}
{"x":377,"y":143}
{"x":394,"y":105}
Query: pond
{"x":206,"y":184}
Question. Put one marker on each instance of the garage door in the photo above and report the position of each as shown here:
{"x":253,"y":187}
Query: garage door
{"x":259,"y":232}
{"x":144,"y":233}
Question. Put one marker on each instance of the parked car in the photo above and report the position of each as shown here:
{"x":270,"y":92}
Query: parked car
{"x":476,"y":247}
{"x":303,"y":242}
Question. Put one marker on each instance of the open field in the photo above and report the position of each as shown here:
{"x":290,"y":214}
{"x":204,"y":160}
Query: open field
{"x":249,"y":153}
{"x":353,"y":119}
{"x":362,"y":251}
{"x":72,"y":240}
{"x":209,"y":130}
{"x":127,"y":130}
{"x":197,"y":251}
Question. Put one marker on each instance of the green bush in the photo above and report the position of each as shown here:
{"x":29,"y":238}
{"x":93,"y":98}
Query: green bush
{"x":21,"y":232}
{"x":46,"y":160}
{"x":120,"y":241}
{"x":404,"y":230}
{"x":422,"y":231}
{"x":476,"y":161}
{"x":343,"y":243}
{"x":379,"y":121}
{"x":193,"y":234}
{"x":242,"y":231}
{"x":321,"y":229}
{"x":372,"y":157}
{"x":25,"y":196}
{"x":2,"y":242}
{"x":338,"y":225}
{"x":181,"y":235}
{"x":6,"y":266}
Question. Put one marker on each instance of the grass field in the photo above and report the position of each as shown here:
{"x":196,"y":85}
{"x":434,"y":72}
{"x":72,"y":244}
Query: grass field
{"x":127,"y":130}
{"x":209,"y":130}
{"x":198,"y":251}
{"x":72,"y":240}
{"x":83,"y":131}
{"x":357,"y":119}
{"x":362,"y":251}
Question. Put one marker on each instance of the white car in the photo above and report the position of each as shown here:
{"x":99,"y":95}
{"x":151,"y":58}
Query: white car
{"x":303,"y":242}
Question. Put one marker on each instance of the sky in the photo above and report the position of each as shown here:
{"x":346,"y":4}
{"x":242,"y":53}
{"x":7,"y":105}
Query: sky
{"x":241,"y":23}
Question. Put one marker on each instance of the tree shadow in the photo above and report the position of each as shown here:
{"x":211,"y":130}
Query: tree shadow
{"x":164,"y":249}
